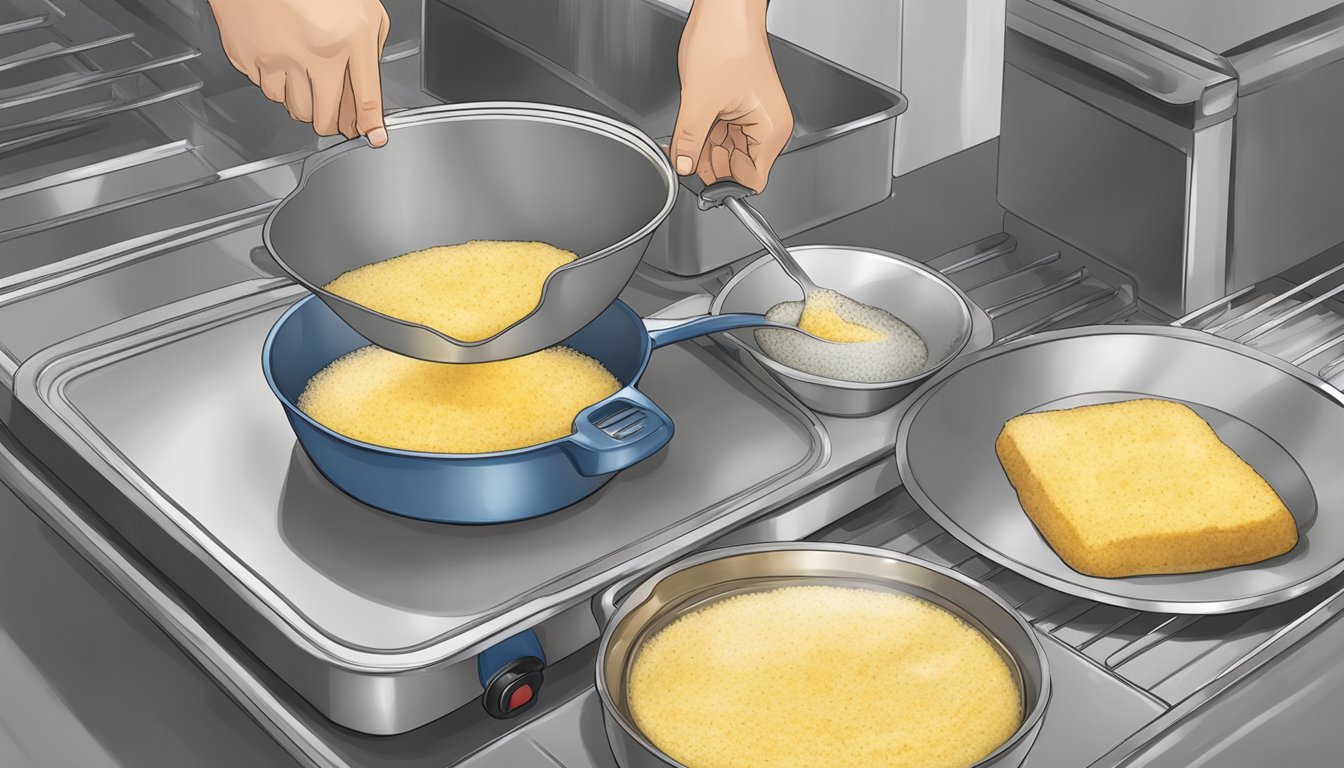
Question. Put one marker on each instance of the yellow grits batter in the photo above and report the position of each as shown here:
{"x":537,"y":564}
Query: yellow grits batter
{"x":823,"y":677}
{"x":382,"y":398}
{"x":469,"y":291}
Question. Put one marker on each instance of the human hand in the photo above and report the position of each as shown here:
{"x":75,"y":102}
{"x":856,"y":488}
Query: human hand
{"x":317,"y":57}
{"x":734,"y":118}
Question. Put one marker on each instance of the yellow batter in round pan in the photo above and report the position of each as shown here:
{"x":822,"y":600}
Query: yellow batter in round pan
{"x":823,"y":677}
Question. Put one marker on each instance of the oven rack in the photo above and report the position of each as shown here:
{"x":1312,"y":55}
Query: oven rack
{"x":82,"y":111}
{"x":1025,"y":291}
{"x":62,"y":65}
{"x":1301,"y":323}
{"x":101,"y":111}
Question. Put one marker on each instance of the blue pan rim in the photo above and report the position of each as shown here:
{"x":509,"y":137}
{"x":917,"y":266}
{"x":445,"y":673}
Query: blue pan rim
{"x":293,"y":410}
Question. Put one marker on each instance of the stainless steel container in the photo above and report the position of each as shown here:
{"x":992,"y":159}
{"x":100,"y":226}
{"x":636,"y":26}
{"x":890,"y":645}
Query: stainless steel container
{"x":1194,"y":145}
{"x":619,"y":58}
{"x":696,"y":580}
{"x":919,"y":296}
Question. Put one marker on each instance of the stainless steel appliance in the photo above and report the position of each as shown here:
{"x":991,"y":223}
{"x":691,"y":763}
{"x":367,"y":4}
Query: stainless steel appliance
{"x":144,"y":437}
{"x":1194,"y":145}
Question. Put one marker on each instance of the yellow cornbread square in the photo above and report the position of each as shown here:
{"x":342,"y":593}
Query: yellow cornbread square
{"x":1141,"y":487}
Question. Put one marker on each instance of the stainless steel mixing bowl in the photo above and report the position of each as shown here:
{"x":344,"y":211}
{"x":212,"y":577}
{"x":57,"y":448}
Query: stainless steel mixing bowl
{"x":919,"y":296}
{"x":491,"y":171}
{"x":711,"y":575}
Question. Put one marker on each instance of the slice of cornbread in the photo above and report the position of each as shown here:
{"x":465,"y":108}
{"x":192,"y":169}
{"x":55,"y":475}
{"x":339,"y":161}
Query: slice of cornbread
{"x":1141,"y":487}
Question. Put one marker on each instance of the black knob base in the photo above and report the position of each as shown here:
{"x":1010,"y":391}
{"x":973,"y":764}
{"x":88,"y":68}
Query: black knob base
{"x":514,"y":689}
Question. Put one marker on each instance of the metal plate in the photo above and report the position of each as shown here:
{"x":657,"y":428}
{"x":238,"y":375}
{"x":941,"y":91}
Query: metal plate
{"x":1284,"y":423}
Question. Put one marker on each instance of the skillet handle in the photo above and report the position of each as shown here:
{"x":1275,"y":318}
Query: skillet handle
{"x":670,"y":331}
{"x":616,"y":433}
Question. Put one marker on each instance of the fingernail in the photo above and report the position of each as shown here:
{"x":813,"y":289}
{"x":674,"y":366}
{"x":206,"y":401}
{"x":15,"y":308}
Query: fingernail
{"x":377,"y":137}
{"x":685,"y":165}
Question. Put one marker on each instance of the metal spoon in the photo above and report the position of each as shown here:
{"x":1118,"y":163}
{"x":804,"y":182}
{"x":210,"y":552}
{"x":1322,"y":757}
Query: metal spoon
{"x":733,"y":196}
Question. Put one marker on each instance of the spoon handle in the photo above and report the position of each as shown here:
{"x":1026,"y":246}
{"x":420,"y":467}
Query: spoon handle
{"x":733,"y":196}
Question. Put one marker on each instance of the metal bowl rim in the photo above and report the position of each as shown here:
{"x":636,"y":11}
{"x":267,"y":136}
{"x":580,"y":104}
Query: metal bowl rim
{"x":1202,"y":608}
{"x":922,"y":270}
{"x":623,"y":133}
{"x":646,"y":585}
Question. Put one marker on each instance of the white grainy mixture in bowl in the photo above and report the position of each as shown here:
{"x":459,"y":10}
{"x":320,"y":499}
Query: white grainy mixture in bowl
{"x":889,"y":350}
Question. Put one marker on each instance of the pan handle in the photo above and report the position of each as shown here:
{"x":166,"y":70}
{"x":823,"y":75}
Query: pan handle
{"x":665,"y":331}
{"x":616,"y":433}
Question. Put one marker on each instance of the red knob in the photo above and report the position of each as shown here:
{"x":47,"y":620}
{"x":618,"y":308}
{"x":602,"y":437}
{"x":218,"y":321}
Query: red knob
{"x":520,"y":696}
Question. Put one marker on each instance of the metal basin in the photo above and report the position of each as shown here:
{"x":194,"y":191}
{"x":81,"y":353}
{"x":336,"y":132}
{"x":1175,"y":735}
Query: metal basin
{"x":920,"y":296}
{"x":697,"y":580}
{"x":495,"y":171}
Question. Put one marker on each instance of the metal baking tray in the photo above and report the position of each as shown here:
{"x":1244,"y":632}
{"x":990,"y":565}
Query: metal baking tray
{"x":1282,"y":421}
{"x":619,"y":58}
{"x":375,"y":619}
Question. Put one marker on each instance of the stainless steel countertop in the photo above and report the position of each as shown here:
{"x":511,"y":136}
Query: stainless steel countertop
{"x":145,"y":703}
{"x":88,"y":680}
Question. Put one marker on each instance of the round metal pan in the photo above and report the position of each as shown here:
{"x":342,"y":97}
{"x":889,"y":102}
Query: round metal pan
{"x":1284,"y":423}
{"x":700,"y":579}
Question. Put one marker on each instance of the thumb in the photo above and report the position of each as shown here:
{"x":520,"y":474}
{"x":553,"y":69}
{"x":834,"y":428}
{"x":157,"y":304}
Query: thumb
{"x":694,"y":119}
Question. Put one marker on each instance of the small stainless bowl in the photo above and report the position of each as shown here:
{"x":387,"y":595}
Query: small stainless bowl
{"x":919,"y":296}
{"x":697,"y":580}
